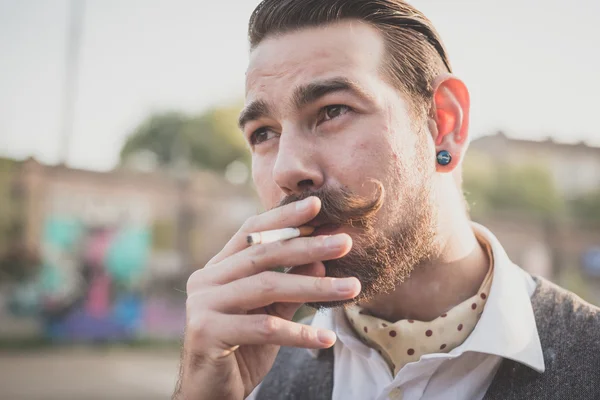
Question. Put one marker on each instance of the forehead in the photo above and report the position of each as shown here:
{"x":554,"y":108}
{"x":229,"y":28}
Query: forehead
{"x":350,"y":49}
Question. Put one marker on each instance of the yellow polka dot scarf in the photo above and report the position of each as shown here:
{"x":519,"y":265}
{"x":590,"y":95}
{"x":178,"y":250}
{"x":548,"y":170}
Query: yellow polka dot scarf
{"x":405,"y":341}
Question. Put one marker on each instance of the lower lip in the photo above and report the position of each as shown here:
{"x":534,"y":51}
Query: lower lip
{"x":328,"y":229}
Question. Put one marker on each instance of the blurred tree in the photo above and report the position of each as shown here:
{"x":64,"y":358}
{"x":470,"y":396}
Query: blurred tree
{"x":478,"y":182}
{"x":526,"y":187}
{"x":210,"y":140}
{"x":16,"y":261}
{"x":158,"y":134}
{"x":586,"y":207}
{"x":8,"y":205}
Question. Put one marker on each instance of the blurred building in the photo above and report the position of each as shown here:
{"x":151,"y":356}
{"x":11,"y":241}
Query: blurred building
{"x":116,"y":247}
{"x":559,"y":247}
{"x":175,"y":208}
{"x":574,"y":167}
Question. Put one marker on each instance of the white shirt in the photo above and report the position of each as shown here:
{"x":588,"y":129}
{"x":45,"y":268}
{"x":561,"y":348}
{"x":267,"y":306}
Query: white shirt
{"x":506,"y":329}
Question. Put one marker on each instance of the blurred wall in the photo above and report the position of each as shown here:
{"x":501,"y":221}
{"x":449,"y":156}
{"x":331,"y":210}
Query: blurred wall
{"x":575,"y":167}
{"x":548,"y":233}
{"x":116,"y":248}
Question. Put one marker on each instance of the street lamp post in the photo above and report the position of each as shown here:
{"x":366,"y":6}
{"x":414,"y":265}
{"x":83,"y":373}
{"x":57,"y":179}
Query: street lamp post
{"x":76,"y":8}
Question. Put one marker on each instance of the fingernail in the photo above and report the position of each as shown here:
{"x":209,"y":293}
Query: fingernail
{"x":336,"y":241}
{"x":344,"y":284}
{"x":326,"y":337}
{"x":303,"y":205}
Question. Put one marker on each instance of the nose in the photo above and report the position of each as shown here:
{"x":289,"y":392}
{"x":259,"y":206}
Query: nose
{"x":297,"y":168}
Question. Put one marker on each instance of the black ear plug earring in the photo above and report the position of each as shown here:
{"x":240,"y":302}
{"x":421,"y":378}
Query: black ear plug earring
{"x":444,"y":157}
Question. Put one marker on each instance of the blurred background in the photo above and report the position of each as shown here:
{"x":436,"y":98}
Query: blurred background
{"x":122,"y":169}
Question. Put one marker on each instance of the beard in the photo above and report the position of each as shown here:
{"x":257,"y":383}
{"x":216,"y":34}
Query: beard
{"x":380,"y":259}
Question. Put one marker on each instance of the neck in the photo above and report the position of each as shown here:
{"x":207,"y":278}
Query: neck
{"x":436,"y":287}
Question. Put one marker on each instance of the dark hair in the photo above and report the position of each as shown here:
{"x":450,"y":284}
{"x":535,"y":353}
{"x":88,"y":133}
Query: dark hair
{"x":416,"y":54}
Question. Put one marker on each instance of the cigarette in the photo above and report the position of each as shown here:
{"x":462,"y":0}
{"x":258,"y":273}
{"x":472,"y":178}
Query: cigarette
{"x":278,"y":235}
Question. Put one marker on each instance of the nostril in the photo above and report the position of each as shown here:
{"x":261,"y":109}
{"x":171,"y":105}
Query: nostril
{"x":306,"y":184}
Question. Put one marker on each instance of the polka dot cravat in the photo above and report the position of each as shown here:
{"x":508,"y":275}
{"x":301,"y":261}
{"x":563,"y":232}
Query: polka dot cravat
{"x":405,"y":341}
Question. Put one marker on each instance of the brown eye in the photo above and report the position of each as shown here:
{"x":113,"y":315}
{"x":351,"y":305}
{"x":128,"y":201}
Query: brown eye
{"x":261,"y":135}
{"x":334,"y":111}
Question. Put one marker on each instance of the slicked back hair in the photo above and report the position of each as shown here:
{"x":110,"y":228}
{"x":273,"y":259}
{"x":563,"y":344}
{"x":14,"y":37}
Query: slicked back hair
{"x":415,"y":52}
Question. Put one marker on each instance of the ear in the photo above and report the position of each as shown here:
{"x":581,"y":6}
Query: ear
{"x":449,"y":119}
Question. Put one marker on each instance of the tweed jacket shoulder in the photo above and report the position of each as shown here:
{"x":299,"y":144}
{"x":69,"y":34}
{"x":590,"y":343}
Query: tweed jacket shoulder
{"x":569,"y":331}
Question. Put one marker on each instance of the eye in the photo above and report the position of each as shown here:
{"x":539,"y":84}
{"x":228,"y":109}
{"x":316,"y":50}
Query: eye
{"x":330,"y":112}
{"x":261,"y":135}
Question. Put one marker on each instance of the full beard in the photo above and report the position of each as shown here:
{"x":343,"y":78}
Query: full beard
{"x":383,"y":260}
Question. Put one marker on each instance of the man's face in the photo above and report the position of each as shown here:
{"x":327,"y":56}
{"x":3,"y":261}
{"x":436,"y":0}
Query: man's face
{"x":322,"y":118}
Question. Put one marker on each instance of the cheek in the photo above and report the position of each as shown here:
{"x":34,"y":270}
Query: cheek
{"x":365,"y":154}
{"x":268,"y":191}
{"x":373,"y":152}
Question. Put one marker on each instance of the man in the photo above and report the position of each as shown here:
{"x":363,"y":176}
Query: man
{"x":358,"y":128}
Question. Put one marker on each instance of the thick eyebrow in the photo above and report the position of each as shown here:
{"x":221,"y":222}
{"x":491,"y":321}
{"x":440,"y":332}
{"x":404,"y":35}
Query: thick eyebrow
{"x":304,"y":95}
{"x":255,"y":110}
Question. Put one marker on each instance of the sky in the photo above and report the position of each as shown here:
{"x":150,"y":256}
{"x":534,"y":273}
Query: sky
{"x":532,"y":68}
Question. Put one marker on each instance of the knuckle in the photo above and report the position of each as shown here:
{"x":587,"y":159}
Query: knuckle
{"x":319,"y":285}
{"x":250,"y":224}
{"x":267,"y":282}
{"x":213,"y":259}
{"x":195,"y":280}
{"x":195,"y":304}
{"x":274,"y":251}
{"x":268,"y":325}
{"x":312,"y":247}
{"x":280,"y":244}
{"x":198,"y":326}
{"x":259,"y":250}
{"x":305,"y":333}
{"x":308,"y":247}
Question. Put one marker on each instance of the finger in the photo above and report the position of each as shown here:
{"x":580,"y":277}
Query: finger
{"x":262,"y":257}
{"x":284,"y":310}
{"x":264,"y":329}
{"x":270,"y":287}
{"x":291,"y":215}
{"x":313,"y":269}
{"x":288,"y":310}
{"x":246,"y":262}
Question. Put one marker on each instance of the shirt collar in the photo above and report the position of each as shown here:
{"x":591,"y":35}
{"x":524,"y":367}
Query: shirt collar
{"x":507,"y":326}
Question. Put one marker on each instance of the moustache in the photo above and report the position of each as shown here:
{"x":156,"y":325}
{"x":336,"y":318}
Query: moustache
{"x":340,"y":206}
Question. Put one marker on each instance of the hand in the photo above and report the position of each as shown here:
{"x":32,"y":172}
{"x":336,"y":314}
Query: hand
{"x":235,"y":300}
